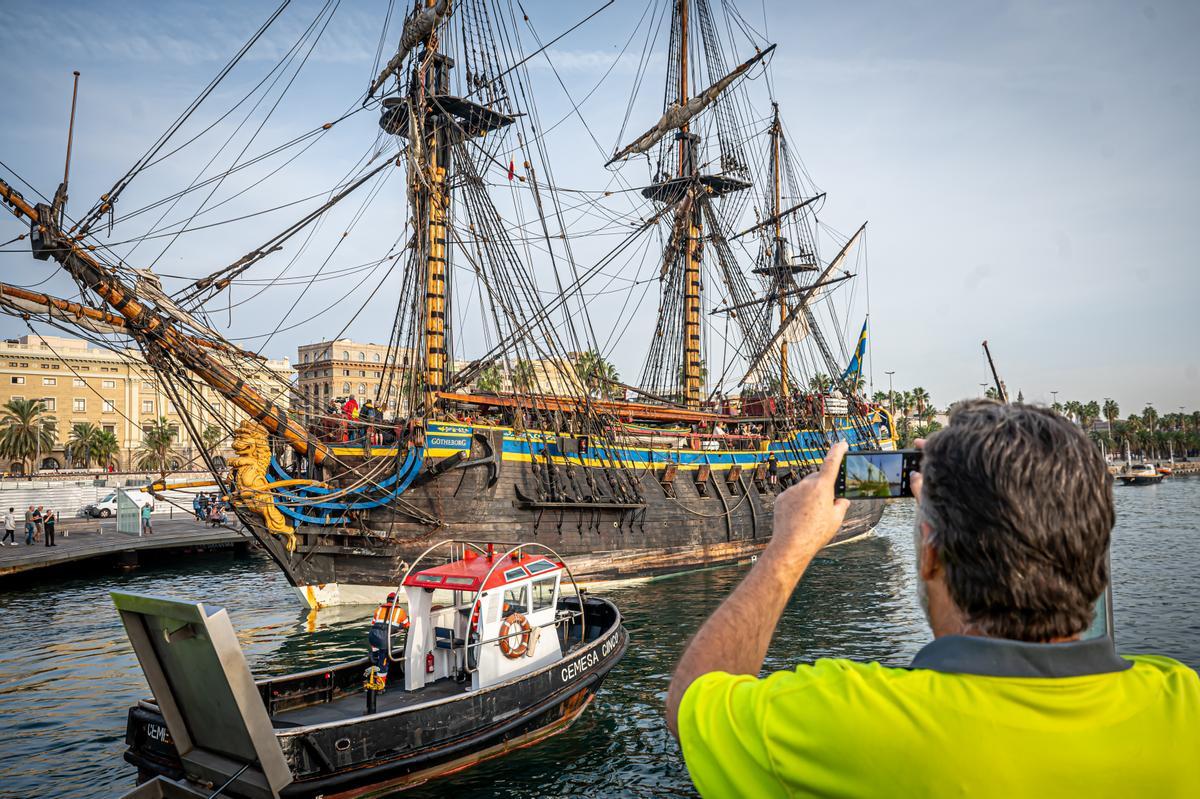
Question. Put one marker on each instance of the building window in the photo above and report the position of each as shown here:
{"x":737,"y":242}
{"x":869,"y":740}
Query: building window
{"x":49,"y":381}
{"x":327,"y":389}
{"x":109,"y":406}
{"x":79,"y":382}
{"x":375,"y":357}
{"x":108,"y":384}
{"x":306,"y":357}
{"x":362,"y":356}
{"x":345,"y":373}
{"x":110,"y":428}
{"x":79,"y":405}
{"x":362,"y":372}
{"x":345,"y":355}
{"x":17,"y":399}
{"x":147,"y":406}
{"x":378,"y":374}
{"x":47,"y":366}
{"x":48,"y":404}
{"x":362,"y":388}
{"x":345,"y":388}
{"x":18,"y":381}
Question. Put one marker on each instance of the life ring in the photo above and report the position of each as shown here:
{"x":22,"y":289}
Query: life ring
{"x":507,"y":648}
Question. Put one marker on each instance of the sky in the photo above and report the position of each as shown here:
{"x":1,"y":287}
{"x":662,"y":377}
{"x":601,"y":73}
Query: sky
{"x":1028,"y":169}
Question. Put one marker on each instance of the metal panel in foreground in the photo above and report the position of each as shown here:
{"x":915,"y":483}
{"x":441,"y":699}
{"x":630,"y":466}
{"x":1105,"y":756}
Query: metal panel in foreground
{"x":207,"y":695}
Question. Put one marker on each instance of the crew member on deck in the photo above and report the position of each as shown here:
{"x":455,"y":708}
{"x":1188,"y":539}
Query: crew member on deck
{"x":388,"y":619}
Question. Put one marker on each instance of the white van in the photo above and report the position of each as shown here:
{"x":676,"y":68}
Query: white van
{"x":107,"y":507}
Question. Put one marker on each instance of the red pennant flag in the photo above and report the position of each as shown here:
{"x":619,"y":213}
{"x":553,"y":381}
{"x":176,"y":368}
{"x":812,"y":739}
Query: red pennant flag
{"x":512,"y":168}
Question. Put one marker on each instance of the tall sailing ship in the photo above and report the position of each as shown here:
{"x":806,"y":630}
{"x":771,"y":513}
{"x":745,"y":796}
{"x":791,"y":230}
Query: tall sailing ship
{"x":625,"y":481}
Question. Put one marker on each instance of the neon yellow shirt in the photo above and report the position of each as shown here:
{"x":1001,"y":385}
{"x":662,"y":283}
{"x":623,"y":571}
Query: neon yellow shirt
{"x":837,"y":728}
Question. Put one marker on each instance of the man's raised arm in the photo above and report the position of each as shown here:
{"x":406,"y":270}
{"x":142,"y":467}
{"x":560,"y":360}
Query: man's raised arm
{"x":735,"y":637}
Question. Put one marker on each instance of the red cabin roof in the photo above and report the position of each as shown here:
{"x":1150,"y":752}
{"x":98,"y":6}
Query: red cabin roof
{"x":468,"y":574}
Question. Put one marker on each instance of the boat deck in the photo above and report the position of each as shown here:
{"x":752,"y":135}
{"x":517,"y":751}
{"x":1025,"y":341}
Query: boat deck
{"x":355,"y":705}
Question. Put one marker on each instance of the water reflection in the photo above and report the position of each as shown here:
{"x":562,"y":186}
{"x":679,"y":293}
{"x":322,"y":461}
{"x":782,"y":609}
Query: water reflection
{"x":67,"y":673}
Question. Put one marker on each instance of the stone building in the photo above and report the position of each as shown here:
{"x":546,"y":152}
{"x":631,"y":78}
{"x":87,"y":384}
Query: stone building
{"x":334,"y":370}
{"x":117,"y":392}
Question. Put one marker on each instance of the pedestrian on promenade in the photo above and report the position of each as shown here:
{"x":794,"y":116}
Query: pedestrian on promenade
{"x":48,"y":522}
{"x":29,"y":528}
{"x":198,"y":507}
{"x":1014,"y":515}
{"x":146,"y":528}
{"x":39,"y":517}
{"x":10,"y":528}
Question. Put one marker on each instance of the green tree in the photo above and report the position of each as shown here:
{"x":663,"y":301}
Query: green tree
{"x":879,"y":398}
{"x":1149,"y":417}
{"x":598,"y":375}
{"x":212,"y":437}
{"x":920,"y":399}
{"x":1088,"y":414}
{"x":820,"y":383}
{"x":491,"y":379}
{"x":158,"y":445}
{"x":26,"y":431}
{"x":1112,"y":412}
{"x":105,"y":448}
{"x":524,"y":376}
{"x":992,"y":393}
{"x":82,"y":442}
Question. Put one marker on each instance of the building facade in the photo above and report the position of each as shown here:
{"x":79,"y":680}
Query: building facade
{"x":329,"y":371}
{"x":118,"y":393}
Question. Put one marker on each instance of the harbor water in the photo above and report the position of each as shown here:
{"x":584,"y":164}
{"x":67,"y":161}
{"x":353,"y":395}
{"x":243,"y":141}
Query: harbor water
{"x":68,"y":675}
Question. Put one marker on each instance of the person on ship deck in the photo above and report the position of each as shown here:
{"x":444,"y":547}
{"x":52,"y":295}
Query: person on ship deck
{"x":389,"y":619}
{"x":1014,"y":512}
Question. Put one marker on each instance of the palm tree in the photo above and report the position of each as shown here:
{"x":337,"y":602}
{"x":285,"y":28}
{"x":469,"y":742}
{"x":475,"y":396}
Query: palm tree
{"x":820,"y":383}
{"x":1149,"y":416}
{"x":524,"y":376}
{"x":158,"y":442}
{"x":879,"y":398}
{"x":491,"y":379}
{"x":920,"y":398}
{"x":598,"y":374}
{"x":1088,"y":414}
{"x":212,"y":438}
{"x":1073,"y":408}
{"x":105,"y":448}
{"x":25,"y":431}
{"x":1112,"y":412}
{"x":81,"y":443}
{"x":992,"y":393}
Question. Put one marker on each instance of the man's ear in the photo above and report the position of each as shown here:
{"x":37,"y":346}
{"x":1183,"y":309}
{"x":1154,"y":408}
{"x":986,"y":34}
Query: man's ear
{"x":930,"y":563}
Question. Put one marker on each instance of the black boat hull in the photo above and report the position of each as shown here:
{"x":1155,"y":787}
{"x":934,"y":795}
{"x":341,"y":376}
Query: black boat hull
{"x":376,"y":755}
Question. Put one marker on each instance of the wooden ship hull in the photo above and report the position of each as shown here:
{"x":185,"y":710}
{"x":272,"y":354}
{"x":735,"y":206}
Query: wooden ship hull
{"x":696,"y":509}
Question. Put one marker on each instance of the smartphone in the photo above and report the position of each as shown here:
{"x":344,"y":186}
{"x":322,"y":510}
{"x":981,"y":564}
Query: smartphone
{"x":877,"y":474}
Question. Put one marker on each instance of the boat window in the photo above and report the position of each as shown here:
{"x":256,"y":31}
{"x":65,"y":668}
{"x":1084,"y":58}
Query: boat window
{"x":543,"y":593}
{"x":429,"y":578}
{"x":515,"y":601}
{"x":460,"y":581}
{"x":539,"y":566}
{"x":514,"y":574}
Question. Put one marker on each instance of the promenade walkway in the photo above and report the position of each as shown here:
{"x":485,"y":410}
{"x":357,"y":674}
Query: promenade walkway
{"x":85,"y":539}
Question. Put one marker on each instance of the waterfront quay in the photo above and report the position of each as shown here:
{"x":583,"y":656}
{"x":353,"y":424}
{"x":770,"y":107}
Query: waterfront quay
{"x":79,"y":540}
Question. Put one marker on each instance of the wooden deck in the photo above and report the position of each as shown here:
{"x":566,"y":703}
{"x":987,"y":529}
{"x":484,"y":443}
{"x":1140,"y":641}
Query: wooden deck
{"x":82,"y":539}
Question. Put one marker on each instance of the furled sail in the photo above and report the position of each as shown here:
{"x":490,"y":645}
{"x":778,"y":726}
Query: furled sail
{"x":676,"y":115}
{"x":417,"y":28}
{"x":796,"y":326}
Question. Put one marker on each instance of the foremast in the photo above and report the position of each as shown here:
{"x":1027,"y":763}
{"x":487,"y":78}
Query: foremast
{"x":693,"y":383}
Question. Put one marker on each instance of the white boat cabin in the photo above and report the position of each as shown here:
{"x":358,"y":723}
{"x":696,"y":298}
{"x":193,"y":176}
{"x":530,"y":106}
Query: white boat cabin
{"x":494,"y":616}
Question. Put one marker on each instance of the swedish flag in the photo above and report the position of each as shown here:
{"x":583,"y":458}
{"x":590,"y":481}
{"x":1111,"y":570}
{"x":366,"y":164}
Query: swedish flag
{"x":854,"y":370}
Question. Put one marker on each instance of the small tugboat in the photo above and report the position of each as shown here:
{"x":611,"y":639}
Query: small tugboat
{"x":1140,"y":474}
{"x":494,"y":659}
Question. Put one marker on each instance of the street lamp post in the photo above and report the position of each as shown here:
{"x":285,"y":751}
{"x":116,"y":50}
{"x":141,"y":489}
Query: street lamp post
{"x":891,"y":406}
{"x":983,"y":386}
{"x":1053,"y":398}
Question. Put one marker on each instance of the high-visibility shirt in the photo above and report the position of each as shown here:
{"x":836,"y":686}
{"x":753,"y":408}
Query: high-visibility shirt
{"x":972,"y":717}
{"x":396,"y":616}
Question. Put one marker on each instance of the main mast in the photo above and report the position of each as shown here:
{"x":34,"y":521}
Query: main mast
{"x":692,"y":382}
{"x":778,"y":253}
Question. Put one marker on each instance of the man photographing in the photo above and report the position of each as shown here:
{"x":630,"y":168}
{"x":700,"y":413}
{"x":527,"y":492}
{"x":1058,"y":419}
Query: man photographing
{"x":1013,"y":524}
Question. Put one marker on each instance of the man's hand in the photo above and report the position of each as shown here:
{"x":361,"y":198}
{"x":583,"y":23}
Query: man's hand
{"x":735,"y":638}
{"x":807,"y":515}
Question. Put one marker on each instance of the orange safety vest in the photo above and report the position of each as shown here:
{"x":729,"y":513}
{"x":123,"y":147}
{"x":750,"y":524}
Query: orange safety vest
{"x":398,"y":617}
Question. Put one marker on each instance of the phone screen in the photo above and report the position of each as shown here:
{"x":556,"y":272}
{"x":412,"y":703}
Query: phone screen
{"x":877,"y":474}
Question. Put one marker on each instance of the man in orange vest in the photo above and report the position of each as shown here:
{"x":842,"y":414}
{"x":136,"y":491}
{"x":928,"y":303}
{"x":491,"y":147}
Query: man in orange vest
{"x":389,"y":618}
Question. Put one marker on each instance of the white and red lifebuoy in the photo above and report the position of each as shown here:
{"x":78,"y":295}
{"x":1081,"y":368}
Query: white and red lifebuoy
{"x":509,"y":628}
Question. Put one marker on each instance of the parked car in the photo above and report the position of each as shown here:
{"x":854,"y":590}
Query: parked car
{"x":107,"y":507}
